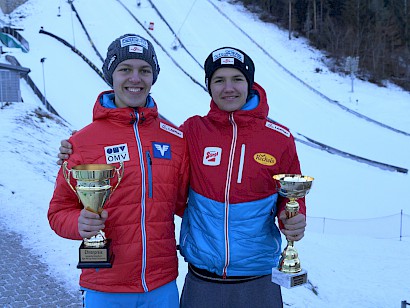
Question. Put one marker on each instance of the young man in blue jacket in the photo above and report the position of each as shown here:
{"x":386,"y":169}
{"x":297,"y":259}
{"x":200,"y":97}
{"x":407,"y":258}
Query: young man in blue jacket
{"x":228,"y":235}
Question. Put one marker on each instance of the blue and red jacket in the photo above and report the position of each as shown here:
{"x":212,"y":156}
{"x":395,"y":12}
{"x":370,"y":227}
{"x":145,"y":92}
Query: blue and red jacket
{"x":141,"y":210}
{"x":229,"y":225}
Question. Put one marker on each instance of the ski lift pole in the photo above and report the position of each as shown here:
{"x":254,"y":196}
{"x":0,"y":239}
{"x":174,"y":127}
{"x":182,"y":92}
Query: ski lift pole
{"x":44,"y":83}
{"x":72,"y":22}
{"x":59,"y":10}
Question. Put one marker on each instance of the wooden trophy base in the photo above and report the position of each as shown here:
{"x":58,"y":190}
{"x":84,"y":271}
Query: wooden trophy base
{"x":93,"y":257}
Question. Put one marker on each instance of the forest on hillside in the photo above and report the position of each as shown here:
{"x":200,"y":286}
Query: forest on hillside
{"x":367,"y":38}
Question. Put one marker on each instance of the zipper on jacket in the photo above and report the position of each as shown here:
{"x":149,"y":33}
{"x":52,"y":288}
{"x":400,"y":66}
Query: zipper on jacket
{"x":143,"y":190}
{"x":227,"y":190}
{"x":149,"y":167}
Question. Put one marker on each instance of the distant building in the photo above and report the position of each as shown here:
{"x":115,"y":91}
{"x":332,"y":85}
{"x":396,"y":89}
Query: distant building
{"x":10,"y":37}
{"x":10,"y":82}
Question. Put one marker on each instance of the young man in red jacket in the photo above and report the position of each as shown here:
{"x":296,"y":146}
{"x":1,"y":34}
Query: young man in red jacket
{"x":139,"y":215}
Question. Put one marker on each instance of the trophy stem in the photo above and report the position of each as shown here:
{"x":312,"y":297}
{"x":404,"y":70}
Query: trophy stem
{"x":289,"y":262}
{"x":292,"y":208}
{"x":98,"y":240}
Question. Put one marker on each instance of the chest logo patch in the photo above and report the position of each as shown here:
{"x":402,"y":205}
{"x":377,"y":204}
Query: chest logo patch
{"x":212,"y":156}
{"x":161,"y":150}
{"x":264,"y":159}
{"x":116,"y":153}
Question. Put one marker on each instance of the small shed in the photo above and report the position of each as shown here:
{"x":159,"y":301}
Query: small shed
{"x":10,"y":82}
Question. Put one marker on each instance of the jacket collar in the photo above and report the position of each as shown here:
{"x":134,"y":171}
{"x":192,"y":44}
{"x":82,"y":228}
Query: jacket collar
{"x":124,"y":115}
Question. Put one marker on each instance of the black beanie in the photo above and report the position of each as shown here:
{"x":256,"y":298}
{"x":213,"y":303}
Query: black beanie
{"x":229,"y":57}
{"x":129,"y":46}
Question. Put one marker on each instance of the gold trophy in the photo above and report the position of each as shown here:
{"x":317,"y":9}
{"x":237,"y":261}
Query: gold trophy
{"x":289,"y":272}
{"x":93,"y":190}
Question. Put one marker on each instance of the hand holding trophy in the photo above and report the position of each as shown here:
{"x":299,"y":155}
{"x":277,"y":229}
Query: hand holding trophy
{"x":289,"y":272}
{"x":93,"y":190}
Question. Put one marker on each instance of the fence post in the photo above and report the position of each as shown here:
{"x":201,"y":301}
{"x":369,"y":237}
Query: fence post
{"x":324,"y":223}
{"x":404,"y":304}
{"x":401,"y":224}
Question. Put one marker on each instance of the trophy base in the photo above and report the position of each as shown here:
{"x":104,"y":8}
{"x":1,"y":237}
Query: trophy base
{"x":289,"y":280}
{"x":93,"y":257}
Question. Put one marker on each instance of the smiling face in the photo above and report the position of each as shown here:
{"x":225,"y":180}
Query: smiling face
{"x":132,"y":81}
{"x":229,"y":89}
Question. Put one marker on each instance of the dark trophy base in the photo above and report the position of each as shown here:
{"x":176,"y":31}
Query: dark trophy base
{"x":92,"y":257}
{"x":289,"y":280}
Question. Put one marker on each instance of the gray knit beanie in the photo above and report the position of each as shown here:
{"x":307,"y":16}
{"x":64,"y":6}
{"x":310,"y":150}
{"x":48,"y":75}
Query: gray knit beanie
{"x":129,"y":46}
{"x":229,"y":57}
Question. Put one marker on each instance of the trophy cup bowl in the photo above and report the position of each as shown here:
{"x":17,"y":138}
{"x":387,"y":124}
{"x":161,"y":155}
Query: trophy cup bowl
{"x":93,"y":190}
{"x":292,"y":186}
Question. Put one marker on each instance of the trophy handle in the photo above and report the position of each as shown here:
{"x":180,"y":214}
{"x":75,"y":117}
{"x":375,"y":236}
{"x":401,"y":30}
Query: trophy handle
{"x":119,"y":175}
{"x":66,"y":173}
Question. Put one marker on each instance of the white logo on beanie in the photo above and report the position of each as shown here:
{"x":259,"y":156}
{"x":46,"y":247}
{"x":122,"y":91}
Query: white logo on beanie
{"x":137,"y":49}
{"x":133,"y":40}
{"x":228,"y":53}
{"x":113,"y":58}
{"x":228,"y":61}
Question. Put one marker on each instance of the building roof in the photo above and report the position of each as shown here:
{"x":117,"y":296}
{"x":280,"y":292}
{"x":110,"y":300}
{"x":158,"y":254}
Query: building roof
{"x":22,"y":70}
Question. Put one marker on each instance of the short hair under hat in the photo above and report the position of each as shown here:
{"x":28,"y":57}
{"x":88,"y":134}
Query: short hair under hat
{"x":229,"y":57}
{"x":129,"y":46}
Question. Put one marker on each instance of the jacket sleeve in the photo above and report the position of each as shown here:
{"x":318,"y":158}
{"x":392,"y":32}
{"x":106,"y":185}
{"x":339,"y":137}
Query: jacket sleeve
{"x":65,"y":206}
{"x":183,"y":183}
{"x":291,"y":166}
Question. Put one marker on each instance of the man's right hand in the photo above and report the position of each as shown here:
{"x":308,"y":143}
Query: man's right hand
{"x":65,"y":151}
{"x":90,"y":223}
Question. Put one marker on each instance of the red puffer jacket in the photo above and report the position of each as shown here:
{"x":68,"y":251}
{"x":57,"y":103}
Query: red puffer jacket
{"x":141,"y":210}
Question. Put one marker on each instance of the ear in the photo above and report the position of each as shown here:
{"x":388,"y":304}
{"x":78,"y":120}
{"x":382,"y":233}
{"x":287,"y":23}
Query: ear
{"x":207,"y":86}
